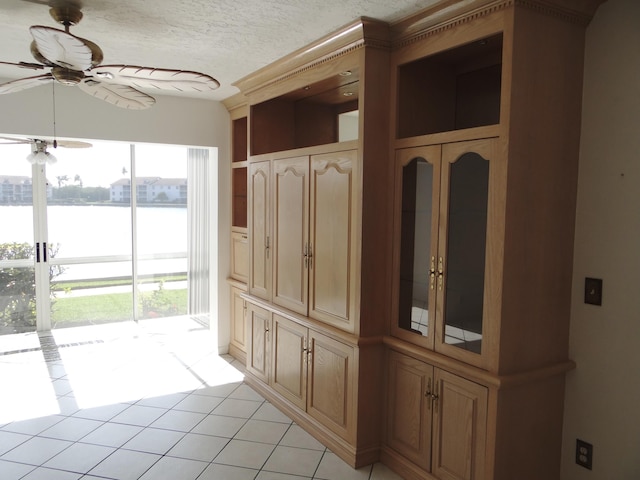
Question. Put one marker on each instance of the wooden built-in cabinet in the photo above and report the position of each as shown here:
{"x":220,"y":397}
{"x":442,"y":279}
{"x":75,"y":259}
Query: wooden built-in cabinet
{"x":238,"y":337}
{"x":443,"y":276}
{"x":411,"y":192}
{"x":436,"y":419}
{"x":260,"y":248}
{"x":312,"y":371}
{"x":312,"y":236}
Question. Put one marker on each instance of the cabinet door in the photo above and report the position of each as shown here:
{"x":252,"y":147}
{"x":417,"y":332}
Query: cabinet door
{"x":409,"y":388}
{"x":238,"y":314}
{"x":239,"y":256}
{"x":258,"y":342}
{"x":330,"y":259}
{"x":417,"y":203}
{"x":462,"y":252}
{"x":291,"y":233}
{"x":289,"y":374}
{"x":460,"y":426}
{"x":259,"y":233}
{"x":331,"y":384}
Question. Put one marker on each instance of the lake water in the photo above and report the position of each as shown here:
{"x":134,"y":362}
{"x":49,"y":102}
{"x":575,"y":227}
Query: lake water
{"x":88,"y":231}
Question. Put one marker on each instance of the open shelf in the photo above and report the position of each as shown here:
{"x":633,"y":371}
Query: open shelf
{"x":452,"y":90}
{"x":239,"y":138}
{"x":320,"y":113}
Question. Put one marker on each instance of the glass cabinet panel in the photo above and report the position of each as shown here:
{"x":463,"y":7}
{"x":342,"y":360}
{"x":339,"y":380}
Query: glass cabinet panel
{"x":415,"y":312}
{"x":465,"y":254}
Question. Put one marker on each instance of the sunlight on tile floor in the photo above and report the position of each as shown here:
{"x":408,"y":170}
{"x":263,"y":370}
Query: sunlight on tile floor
{"x":149,"y":401}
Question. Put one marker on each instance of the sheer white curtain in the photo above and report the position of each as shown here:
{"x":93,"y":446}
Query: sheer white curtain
{"x":198,"y":198}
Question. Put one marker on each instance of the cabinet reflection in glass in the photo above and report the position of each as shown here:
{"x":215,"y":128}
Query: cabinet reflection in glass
{"x":417,"y":206}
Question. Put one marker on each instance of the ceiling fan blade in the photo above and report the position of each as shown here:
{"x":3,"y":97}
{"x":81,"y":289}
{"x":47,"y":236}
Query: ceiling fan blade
{"x":13,"y":141}
{"x":71,"y":144}
{"x":121,"y":96}
{"x":155,"y":78}
{"x":24,"y":83}
{"x":62,"y":48}
{"x":32,"y":66}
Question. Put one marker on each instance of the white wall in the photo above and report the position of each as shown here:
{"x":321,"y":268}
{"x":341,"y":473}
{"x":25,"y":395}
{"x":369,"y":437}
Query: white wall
{"x":187,"y":121}
{"x":602,"y":404}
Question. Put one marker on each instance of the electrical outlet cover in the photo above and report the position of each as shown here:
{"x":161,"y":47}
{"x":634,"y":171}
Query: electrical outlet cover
{"x":584,"y":454}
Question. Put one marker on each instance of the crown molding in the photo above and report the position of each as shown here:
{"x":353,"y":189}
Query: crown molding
{"x":447,"y":14}
{"x":364,"y":32}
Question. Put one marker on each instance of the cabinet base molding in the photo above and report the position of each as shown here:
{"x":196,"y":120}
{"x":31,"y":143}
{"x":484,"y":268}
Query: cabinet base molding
{"x":356,"y":458}
{"x":403,"y":467}
{"x":238,"y":354}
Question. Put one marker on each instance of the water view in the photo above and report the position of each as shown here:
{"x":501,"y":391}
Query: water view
{"x":95,"y":240}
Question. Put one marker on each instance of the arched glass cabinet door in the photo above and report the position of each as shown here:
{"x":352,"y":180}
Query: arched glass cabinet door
{"x":417,"y":203}
{"x":462,"y":256}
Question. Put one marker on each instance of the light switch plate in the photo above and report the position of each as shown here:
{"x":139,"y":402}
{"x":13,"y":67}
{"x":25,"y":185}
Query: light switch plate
{"x":593,"y":291}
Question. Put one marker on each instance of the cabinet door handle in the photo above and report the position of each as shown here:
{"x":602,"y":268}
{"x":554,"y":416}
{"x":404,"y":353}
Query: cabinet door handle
{"x":305,"y":255}
{"x":435,"y":397}
{"x":428,"y":394}
{"x":266,"y":247}
{"x":440,"y":272}
{"x":310,"y":255}
{"x":432,"y":273}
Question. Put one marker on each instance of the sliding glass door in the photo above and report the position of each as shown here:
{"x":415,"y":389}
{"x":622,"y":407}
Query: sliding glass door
{"x":17,"y":248}
{"x":99,"y":236}
{"x":90,"y":236}
{"x":161,"y":230}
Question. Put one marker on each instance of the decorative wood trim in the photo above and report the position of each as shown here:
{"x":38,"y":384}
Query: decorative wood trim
{"x":476,"y":374}
{"x":323,"y":328}
{"x":304,"y":151}
{"x":364,"y":32}
{"x":449,"y":14}
{"x":236,"y":105}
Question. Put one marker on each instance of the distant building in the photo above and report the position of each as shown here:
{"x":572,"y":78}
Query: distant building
{"x":150,"y":190}
{"x":16,"y":189}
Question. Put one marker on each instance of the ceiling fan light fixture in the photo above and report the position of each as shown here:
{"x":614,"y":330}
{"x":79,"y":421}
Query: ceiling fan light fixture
{"x":39,"y":154}
{"x":40,"y":158}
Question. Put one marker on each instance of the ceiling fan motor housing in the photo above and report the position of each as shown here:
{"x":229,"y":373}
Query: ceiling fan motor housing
{"x":67,"y":76}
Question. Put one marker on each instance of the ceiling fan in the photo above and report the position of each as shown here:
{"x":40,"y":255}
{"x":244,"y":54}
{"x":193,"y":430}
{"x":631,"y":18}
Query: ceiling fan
{"x":39,"y":153}
{"x":76,"y":61}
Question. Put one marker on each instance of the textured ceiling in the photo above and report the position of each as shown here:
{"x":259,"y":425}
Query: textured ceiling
{"x":226,"y":39}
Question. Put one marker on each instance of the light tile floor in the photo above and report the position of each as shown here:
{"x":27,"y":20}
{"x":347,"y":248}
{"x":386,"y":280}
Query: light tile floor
{"x":148,"y":401}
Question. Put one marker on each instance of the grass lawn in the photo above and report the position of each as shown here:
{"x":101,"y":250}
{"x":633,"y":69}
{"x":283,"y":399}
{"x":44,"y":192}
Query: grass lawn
{"x":113,"y":307}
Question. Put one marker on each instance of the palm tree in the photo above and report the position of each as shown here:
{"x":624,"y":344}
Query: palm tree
{"x":62,"y":179}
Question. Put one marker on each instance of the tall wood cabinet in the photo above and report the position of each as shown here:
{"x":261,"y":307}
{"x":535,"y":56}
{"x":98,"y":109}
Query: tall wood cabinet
{"x":239,"y":244}
{"x":318,"y":216}
{"x":411,"y":192}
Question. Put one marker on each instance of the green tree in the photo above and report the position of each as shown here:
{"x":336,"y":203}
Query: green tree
{"x":18,"y":289}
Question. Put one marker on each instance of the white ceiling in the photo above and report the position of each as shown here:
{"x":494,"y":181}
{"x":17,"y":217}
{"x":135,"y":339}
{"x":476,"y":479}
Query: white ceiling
{"x":227,"y":39}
